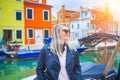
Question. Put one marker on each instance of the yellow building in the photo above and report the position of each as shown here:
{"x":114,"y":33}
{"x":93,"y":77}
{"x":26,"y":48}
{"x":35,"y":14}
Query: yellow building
{"x":12,"y":20}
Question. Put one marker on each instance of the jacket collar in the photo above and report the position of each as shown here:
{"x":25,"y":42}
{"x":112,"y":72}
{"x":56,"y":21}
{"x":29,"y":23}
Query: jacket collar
{"x":69,"y":55}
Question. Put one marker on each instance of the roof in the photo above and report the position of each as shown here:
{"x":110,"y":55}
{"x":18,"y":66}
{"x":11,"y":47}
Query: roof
{"x":70,"y":11}
{"x":36,"y":3}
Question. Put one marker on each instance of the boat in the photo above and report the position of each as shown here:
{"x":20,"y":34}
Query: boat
{"x":81,"y":49}
{"x":27,"y":54}
{"x":93,"y":71}
{"x":2,"y":58}
{"x":4,"y":54}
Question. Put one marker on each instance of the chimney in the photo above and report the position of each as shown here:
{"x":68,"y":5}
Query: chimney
{"x":63,"y":7}
{"x":107,"y":7}
{"x":43,"y":1}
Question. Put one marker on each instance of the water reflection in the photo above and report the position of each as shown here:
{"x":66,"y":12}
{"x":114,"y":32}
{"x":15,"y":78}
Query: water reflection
{"x":16,"y":69}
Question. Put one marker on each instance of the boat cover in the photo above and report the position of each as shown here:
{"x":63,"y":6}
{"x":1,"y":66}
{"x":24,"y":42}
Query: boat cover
{"x":95,"y":71}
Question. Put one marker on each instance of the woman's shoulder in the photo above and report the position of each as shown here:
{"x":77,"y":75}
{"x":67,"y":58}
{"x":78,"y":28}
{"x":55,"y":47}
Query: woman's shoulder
{"x":46,"y":46}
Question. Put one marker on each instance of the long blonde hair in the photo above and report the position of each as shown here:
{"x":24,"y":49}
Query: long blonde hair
{"x":56,"y":46}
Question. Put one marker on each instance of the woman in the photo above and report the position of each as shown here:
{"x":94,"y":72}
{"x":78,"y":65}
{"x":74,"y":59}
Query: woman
{"x":59,"y":60}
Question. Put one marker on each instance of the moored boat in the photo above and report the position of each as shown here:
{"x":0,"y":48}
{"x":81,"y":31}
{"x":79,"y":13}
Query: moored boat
{"x":28,"y":54}
{"x":2,"y":58}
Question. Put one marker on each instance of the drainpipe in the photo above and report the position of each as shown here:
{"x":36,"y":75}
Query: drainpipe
{"x":28,"y":43}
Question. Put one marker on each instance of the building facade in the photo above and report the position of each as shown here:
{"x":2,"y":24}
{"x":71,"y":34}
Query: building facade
{"x":65,"y":16}
{"x":103,"y":21}
{"x":80,"y":27}
{"x":12,"y":20}
{"x":38,"y":24}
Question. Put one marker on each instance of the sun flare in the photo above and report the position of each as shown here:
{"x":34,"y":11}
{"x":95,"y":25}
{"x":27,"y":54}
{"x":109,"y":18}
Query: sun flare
{"x":114,"y":6}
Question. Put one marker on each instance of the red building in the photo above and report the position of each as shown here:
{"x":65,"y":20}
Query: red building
{"x":37,"y":21}
{"x":65,"y":16}
{"x":102,"y":21}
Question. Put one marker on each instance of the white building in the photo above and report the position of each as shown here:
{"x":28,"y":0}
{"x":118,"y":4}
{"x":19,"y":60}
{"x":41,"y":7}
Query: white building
{"x":80,"y":27}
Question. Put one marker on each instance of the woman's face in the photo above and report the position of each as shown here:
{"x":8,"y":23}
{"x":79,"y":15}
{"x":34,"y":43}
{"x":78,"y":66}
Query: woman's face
{"x":65,"y":33}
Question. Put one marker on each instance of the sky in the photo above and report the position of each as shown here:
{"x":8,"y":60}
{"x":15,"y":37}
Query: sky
{"x":75,"y":5}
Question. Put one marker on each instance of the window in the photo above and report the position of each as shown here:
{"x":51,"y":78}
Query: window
{"x":93,"y":27}
{"x":87,"y":25}
{"x":46,"y":34}
{"x":46,"y":15}
{"x":9,"y":34}
{"x":60,"y":17}
{"x":93,"y":17}
{"x":29,"y":14}
{"x":72,"y":26}
{"x":18,"y":34}
{"x":0,"y":13}
{"x":85,"y":13}
{"x":19,"y":0}
{"x":30,"y":33}
{"x":19,"y":15}
{"x":68,"y":25}
{"x":78,"y":26}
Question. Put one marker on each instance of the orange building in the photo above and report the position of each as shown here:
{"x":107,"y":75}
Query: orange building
{"x":65,"y":16}
{"x":37,"y":21}
{"x":102,"y":21}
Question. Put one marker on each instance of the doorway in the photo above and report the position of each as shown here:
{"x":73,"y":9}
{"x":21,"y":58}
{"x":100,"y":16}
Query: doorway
{"x":8,"y":35}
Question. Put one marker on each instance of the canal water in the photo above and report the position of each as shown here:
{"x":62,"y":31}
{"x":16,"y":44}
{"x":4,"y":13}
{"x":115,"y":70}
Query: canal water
{"x":16,"y":69}
{"x":19,"y":69}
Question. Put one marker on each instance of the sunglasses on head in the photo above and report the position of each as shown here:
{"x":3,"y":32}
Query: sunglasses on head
{"x":66,"y":31}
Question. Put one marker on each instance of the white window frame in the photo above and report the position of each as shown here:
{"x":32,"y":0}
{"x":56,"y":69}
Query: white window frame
{"x":40,"y":1}
{"x":48,"y":15}
{"x":44,"y":33}
{"x":60,"y":17}
{"x":92,"y":17}
{"x":16,"y":13}
{"x":21,"y":33}
{"x":32,"y":14}
{"x":93,"y":25}
{"x":86,"y":13}
{"x":28,"y":33}
{"x":0,"y":13}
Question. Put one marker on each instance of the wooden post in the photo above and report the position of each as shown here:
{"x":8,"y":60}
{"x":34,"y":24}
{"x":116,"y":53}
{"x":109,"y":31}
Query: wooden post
{"x":111,"y":61}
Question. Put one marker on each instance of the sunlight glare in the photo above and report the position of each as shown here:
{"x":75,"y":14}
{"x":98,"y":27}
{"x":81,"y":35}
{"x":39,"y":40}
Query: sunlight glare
{"x":114,"y":6}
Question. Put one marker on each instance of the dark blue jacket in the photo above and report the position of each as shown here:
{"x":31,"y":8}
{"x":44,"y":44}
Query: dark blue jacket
{"x":49,"y":66}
